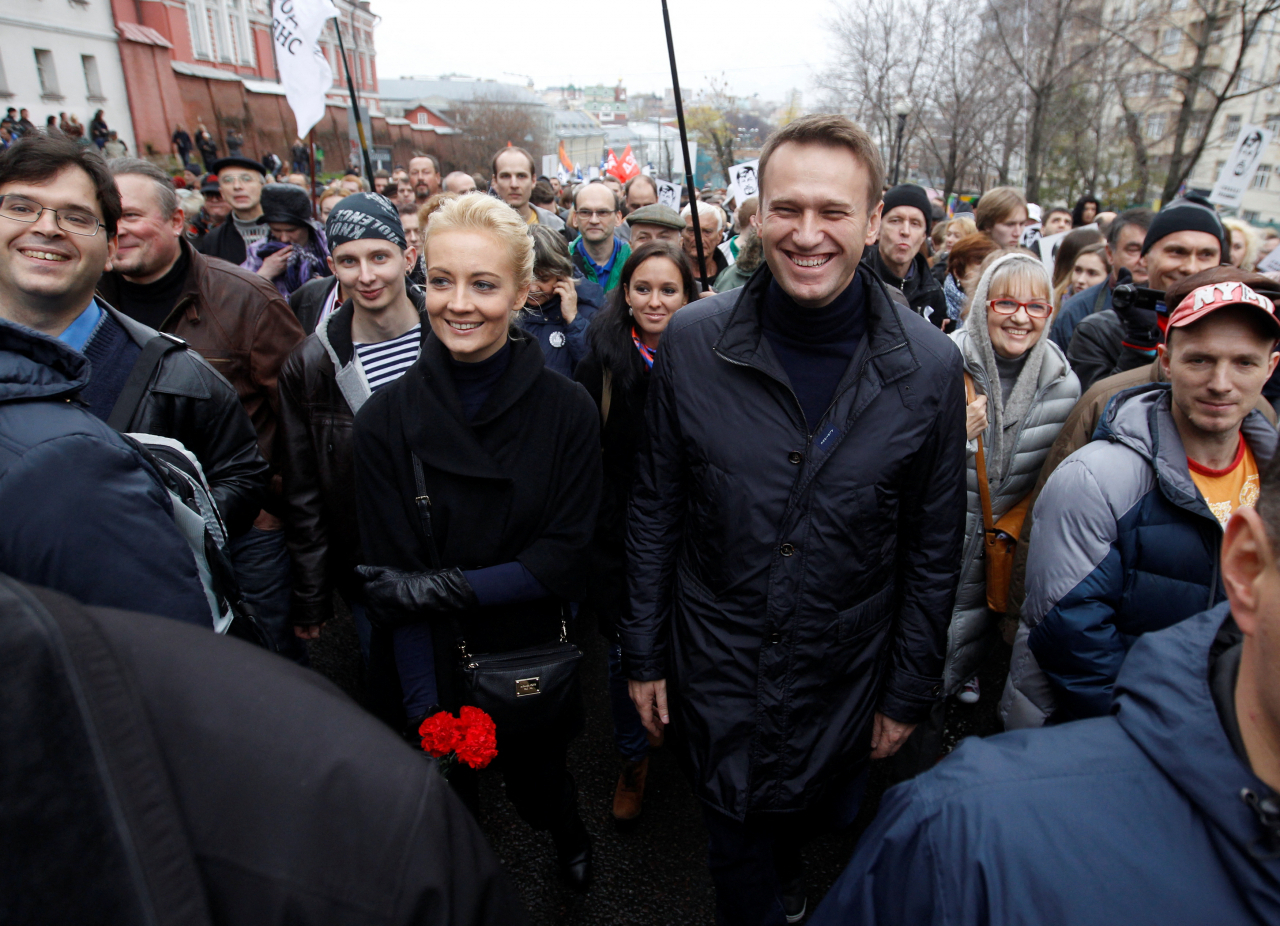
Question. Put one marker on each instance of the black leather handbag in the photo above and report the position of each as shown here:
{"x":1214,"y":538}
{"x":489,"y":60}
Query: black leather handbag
{"x":525,"y":691}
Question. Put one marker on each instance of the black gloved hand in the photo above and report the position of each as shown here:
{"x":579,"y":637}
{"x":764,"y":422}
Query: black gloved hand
{"x":431,"y":590}
{"x":1140,"y":328}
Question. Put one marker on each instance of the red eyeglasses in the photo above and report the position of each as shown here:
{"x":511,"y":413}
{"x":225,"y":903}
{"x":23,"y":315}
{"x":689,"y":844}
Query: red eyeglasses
{"x":1036,"y":309}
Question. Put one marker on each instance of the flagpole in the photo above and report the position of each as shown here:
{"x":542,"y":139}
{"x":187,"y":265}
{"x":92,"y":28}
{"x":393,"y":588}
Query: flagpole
{"x":355,"y":103}
{"x":684,"y":147}
{"x":311,"y":159}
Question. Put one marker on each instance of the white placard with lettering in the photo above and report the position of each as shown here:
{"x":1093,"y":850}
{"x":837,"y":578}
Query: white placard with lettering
{"x":1237,"y":173}
{"x":669,"y":194}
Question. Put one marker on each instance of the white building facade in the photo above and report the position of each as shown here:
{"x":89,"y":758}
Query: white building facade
{"x":63,"y":56}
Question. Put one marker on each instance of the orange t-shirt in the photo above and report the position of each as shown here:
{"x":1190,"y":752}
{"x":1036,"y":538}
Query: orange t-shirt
{"x":1225,"y":490}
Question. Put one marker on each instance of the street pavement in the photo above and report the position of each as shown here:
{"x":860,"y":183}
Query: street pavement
{"x":654,"y":872}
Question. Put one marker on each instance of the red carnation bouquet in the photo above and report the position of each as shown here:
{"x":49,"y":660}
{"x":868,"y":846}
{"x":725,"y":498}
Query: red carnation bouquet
{"x":471,"y":738}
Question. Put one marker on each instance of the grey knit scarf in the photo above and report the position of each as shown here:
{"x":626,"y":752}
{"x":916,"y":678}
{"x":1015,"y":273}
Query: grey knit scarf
{"x":1003,"y":418}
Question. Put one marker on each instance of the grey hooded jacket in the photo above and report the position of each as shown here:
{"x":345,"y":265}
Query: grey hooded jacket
{"x":973,"y":625}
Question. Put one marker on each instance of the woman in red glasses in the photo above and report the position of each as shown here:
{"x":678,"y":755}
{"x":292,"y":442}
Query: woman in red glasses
{"x":1020,"y":389}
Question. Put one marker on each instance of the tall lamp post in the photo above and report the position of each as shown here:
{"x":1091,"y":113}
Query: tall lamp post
{"x":902,"y":110}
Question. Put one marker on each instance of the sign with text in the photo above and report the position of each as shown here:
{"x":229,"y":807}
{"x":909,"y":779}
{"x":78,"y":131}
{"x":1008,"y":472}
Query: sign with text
{"x":1237,"y":173}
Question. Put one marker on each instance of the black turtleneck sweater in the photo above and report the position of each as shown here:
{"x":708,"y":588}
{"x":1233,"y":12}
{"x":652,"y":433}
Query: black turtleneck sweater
{"x":151,"y":303}
{"x":815,"y":346}
{"x":474,"y":381}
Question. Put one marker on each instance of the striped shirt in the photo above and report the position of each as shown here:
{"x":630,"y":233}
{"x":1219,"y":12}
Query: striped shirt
{"x":386,"y":361}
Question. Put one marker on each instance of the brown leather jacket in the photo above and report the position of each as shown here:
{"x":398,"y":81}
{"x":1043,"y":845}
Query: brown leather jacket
{"x":241,"y":325}
{"x":321,"y":389}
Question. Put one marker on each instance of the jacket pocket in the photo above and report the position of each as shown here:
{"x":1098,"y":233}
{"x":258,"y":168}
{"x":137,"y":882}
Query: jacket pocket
{"x":866,"y":617}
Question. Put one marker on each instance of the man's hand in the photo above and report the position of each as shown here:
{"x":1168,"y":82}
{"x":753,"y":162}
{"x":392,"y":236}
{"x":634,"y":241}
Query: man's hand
{"x":307,"y":631}
{"x":274,"y":264}
{"x":650,"y":699}
{"x":568,"y":294}
{"x":887,"y":737}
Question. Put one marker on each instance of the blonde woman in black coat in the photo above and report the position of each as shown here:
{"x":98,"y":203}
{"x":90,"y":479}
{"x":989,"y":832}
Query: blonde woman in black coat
{"x":510,"y":454}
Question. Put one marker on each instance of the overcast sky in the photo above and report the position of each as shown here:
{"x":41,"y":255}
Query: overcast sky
{"x":760,"y":46}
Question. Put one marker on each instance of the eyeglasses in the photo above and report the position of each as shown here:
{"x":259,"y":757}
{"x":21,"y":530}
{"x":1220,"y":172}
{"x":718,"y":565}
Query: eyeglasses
{"x":598,"y":213}
{"x":28,"y":211}
{"x":1010,"y":307}
{"x":240,"y":179}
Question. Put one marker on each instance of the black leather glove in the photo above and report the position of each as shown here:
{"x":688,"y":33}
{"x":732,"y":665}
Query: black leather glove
{"x":431,"y":590}
{"x":1140,"y":328}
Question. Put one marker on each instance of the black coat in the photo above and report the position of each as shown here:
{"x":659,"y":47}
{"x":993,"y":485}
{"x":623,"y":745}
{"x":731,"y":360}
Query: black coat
{"x":189,"y":401}
{"x":788,"y":586}
{"x":308,"y":301}
{"x":159,"y":774}
{"x":922,"y":289}
{"x":620,"y":441}
{"x":80,"y":510}
{"x":521,"y":482}
{"x":1097,"y":349}
{"x":224,"y":242}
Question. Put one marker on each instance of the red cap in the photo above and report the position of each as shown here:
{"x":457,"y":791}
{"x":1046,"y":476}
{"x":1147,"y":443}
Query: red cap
{"x":1200,"y":302}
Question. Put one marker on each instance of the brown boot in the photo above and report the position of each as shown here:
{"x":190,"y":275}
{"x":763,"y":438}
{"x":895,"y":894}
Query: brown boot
{"x":629,"y":794}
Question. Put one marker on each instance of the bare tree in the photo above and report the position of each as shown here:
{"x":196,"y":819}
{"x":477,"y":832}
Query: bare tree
{"x":484,"y":127}
{"x":1200,"y":46}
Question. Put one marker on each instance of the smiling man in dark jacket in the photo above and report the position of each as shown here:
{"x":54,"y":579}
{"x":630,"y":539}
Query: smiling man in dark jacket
{"x":1166,"y":810}
{"x":794,"y":536}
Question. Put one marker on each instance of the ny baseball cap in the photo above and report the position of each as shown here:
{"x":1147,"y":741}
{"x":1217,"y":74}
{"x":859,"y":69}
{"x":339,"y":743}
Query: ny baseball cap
{"x":1206,"y":299}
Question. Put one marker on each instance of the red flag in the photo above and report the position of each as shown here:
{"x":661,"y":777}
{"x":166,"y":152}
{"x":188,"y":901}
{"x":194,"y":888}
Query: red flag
{"x":611,"y":165}
{"x":564,"y":159}
{"x":629,"y":166}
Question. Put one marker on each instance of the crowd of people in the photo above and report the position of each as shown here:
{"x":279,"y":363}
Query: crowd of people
{"x":804,"y":467}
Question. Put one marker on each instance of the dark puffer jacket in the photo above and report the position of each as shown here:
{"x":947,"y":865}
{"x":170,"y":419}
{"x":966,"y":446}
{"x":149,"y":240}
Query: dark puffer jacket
{"x":1123,"y":544}
{"x":80,"y":510}
{"x":1146,"y":817}
{"x":563,"y":346}
{"x":787,"y":585}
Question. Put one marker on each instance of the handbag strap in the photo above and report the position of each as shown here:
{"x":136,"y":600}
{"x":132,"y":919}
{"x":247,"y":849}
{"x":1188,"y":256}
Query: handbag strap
{"x":135,"y":387}
{"x":422,"y":501}
{"x":984,"y":489}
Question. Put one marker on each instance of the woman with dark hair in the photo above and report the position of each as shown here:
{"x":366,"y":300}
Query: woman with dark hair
{"x":98,"y":130}
{"x":656,"y":282}
{"x":1085,"y":211}
{"x":1064,"y":259}
{"x":477,"y":484}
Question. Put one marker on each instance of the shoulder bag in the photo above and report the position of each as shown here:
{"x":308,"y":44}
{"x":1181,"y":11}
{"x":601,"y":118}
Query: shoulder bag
{"x":1000,"y":539}
{"x":525,"y":691}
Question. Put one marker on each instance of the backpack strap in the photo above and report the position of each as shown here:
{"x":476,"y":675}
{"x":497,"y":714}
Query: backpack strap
{"x":984,"y":489}
{"x":135,"y":387}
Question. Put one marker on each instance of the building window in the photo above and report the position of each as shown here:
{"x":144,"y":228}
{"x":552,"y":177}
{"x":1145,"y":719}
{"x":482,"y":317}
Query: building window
{"x":1142,"y":84}
{"x":92,"y":82}
{"x":1250,"y":216}
{"x":241,"y":45}
{"x":4,"y":81}
{"x":1164,"y":85}
{"x":1262,"y":178}
{"x":1155,"y":125}
{"x":1231,"y":128}
{"x":1196,"y":127}
{"x":1272,"y":123}
{"x":1177,"y":6}
{"x":48,"y":74}
{"x":199,"y":29}
{"x":1172,"y":41}
{"x":422,"y":119}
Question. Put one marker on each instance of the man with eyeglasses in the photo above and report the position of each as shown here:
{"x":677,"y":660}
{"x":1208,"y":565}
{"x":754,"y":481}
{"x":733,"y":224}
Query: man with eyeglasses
{"x":240,"y":181}
{"x":81,"y":511}
{"x":241,"y":325}
{"x":597,"y":252}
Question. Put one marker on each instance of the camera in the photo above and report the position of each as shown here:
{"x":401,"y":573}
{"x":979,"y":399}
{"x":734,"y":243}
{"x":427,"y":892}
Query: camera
{"x":1127,"y":296}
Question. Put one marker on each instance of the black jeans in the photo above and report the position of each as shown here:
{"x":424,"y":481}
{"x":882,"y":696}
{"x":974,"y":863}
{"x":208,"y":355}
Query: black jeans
{"x":754,"y":861}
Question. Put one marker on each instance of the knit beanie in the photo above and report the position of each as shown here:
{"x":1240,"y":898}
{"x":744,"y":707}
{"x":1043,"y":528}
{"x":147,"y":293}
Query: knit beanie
{"x":908,"y":194}
{"x":1187,"y":213}
{"x":365,"y":215}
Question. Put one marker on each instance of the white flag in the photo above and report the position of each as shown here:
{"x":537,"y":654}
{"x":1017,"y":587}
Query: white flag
{"x":304,"y":71}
